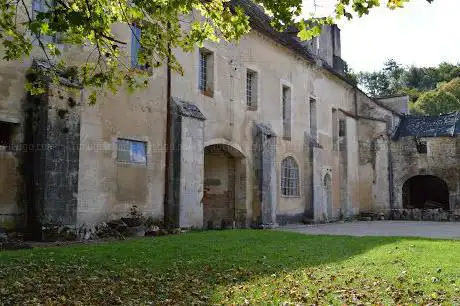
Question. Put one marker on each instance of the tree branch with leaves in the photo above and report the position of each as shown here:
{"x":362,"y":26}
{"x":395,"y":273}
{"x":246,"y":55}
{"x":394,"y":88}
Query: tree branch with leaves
{"x":177,"y":24}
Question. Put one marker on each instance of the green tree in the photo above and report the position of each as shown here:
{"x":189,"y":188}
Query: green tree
{"x":443,"y":100}
{"x":385,"y":82}
{"x":165,"y":24}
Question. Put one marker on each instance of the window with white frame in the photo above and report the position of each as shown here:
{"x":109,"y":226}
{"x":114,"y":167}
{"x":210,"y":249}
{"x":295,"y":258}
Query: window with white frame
{"x":251,"y":89}
{"x":132,"y":151}
{"x":289,"y":177}
{"x":206,"y":77}
{"x":286,"y":101}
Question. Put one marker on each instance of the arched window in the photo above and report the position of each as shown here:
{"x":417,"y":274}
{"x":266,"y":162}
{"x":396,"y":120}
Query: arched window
{"x":289,"y":177}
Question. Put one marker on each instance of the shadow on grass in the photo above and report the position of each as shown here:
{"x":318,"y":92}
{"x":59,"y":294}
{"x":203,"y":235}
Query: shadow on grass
{"x":181,"y":269}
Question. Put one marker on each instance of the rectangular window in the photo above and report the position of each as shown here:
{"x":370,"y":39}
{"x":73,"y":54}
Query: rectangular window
{"x":135,"y":46}
{"x":286,"y":101}
{"x":132,"y":151}
{"x":206,"y":79}
{"x":335,"y":130}
{"x":251,"y":89}
{"x":6,"y":132}
{"x":43,"y":6}
{"x":289,"y":177}
{"x":313,"y":122}
{"x":422,"y":146}
{"x":342,"y":128}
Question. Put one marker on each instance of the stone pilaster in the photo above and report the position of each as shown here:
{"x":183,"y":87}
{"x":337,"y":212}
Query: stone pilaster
{"x":185,"y":208}
{"x":53,"y":158}
{"x":266,"y":160}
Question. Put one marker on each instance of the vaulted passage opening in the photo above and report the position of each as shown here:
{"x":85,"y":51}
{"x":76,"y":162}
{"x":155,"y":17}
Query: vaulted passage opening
{"x":224,"y":188}
{"x":425,"y":192}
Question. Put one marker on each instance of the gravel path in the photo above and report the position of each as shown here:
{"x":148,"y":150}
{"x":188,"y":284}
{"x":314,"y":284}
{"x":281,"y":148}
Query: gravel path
{"x":447,"y":230}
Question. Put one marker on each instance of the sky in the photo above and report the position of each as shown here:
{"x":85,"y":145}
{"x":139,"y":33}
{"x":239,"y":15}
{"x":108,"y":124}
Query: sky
{"x":420,"y":34}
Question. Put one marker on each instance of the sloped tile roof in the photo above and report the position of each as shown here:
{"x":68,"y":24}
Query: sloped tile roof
{"x":260,"y":22}
{"x":429,"y":126}
{"x":188,"y":109}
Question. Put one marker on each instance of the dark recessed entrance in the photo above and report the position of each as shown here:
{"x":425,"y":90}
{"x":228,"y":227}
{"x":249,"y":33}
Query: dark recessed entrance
{"x":425,"y":192}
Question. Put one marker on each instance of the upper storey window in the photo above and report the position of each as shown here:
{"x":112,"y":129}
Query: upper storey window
{"x":135,"y":46}
{"x":251,"y":89}
{"x":206,"y":75}
{"x":286,"y":111}
{"x":43,"y":6}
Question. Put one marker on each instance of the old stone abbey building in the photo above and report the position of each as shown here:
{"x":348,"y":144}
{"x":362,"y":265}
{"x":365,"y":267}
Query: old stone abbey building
{"x":264,"y":131}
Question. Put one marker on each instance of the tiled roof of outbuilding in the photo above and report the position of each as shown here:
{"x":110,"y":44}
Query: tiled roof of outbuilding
{"x":429,"y":126}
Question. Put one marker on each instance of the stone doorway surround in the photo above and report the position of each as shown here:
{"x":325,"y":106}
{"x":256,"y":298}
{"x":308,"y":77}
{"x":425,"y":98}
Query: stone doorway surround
{"x":224,"y":200}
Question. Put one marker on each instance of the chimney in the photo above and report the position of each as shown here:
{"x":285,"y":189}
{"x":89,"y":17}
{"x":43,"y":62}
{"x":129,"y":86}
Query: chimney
{"x":335,"y":32}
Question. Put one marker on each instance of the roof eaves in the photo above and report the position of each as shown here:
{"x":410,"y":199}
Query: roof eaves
{"x":260,"y":22}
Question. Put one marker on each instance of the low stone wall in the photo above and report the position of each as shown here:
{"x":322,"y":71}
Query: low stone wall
{"x":414,"y":214}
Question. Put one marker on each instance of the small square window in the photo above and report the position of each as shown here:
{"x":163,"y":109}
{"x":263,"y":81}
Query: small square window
{"x":422,"y":146}
{"x":132,"y":151}
{"x":251,"y":89}
{"x":206,"y":78}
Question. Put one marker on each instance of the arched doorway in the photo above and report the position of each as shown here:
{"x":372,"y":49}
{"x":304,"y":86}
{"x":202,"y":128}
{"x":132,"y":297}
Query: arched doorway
{"x":224,"y":201}
{"x":425,"y":192}
{"x":327,"y":185}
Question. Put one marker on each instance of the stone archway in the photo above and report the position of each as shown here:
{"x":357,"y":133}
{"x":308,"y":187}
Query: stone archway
{"x":425,"y":192}
{"x":224,"y":200}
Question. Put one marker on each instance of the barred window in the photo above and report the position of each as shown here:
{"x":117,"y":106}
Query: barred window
{"x":251,"y":89}
{"x":289,"y":177}
{"x":203,"y":70}
{"x":206,"y":78}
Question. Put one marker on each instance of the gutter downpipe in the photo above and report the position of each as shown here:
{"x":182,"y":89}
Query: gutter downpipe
{"x":167,"y":194}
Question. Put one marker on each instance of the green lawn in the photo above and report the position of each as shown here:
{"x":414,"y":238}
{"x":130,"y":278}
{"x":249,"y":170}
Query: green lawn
{"x":236,"y":267}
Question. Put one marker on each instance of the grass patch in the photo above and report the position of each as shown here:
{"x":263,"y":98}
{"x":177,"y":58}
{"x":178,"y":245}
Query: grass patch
{"x":236,"y":267}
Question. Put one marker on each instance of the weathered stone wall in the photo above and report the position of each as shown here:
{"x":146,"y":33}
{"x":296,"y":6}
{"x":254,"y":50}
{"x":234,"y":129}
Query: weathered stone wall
{"x":441,"y":160}
{"x":373,"y":165}
{"x":369,"y":109}
{"x":107,"y":188}
{"x":51,"y":157}
{"x":12,"y":98}
{"x":229,"y":119}
{"x":10,"y":210}
{"x":191,"y":173}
